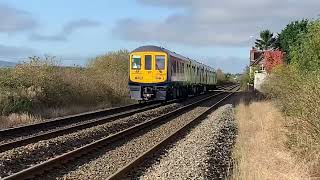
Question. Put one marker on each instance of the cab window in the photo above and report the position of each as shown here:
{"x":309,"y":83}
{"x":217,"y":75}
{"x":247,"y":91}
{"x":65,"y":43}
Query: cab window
{"x":160,"y":62}
{"x":136,"y":62}
{"x":147,"y":62}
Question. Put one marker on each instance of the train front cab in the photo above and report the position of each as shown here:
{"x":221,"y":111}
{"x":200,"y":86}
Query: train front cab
{"x":148,"y":75}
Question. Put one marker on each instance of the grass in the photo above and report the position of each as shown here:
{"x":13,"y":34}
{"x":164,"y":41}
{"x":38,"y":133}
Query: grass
{"x":260,"y":151}
{"x":41,"y":89}
{"x":15,"y":119}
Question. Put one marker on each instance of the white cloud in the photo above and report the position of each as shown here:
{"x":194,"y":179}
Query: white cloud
{"x":15,"y":53}
{"x":14,"y":20}
{"x":215,"y":23}
{"x":67,"y":29}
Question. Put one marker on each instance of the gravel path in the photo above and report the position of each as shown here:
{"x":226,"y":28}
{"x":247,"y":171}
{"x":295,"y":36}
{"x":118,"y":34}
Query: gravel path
{"x":103,"y":164}
{"x":203,"y":154}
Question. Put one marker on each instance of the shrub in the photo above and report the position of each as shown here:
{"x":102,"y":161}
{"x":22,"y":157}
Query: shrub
{"x":246,"y":79}
{"x":31,"y":84}
{"x":112,"y":69}
{"x":298,"y":96}
{"x":40,"y":84}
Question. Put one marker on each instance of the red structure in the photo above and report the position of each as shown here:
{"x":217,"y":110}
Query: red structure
{"x":266,"y":60}
{"x":272,"y":58}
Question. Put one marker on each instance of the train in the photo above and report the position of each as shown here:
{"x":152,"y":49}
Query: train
{"x":156,"y":73}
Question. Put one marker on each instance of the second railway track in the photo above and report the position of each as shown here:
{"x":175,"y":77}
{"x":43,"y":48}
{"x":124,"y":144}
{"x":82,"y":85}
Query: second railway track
{"x":83,"y":150}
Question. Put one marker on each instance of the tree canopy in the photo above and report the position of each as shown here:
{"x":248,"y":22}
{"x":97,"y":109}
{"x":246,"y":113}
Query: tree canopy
{"x":266,"y":41}
{"x":306,"y":54}
{"x":290,"y":35}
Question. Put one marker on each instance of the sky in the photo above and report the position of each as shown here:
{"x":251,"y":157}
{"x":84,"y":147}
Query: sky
{"x":218,"y":33}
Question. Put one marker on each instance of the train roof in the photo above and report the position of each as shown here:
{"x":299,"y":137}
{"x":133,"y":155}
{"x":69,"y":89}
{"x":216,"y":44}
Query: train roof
{"x":161,"y":49}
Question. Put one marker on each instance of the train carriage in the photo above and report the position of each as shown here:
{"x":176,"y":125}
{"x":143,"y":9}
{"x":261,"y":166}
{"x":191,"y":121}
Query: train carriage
{"x":159,"y":74}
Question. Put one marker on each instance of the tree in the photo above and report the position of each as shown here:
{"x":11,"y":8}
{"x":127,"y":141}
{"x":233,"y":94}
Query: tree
{"x":306,"y":54}
{"x":290,"y":35}
{"x":266,"y":41}
{"x":273,"y":59}
{"x":220,"y":76}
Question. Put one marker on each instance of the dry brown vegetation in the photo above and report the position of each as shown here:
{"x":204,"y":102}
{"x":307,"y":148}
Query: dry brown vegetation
{"x":298,"y":97}
{"x":260,"y":151}
{"x":294,"y":89}
{"x":41,"y":89}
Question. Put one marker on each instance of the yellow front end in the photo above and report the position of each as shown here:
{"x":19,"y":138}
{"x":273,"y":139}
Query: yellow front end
{"x":148,"y":67}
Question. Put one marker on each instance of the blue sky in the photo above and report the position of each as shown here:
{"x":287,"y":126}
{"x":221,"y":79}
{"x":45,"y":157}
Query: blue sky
{"x":214,"y":32}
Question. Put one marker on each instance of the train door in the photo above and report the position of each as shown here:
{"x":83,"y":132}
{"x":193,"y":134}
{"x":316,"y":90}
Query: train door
{"x":148,"y":67}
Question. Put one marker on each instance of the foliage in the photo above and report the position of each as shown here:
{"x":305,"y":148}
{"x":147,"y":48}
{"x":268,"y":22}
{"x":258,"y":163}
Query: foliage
{"x":40,"y":84}
{"x":266,"y":41}
{"x":277,"y":43}
{"x":273,"y":59}
{"x":290,"y":35}
{"x":221,"y":77}
{"x":35,"y":82}
{"x":112,"y":70}
{"x":298,"y":96}
{"x":295,"y":88}
{"x":245,"y":79}
{"x":306,"y":54}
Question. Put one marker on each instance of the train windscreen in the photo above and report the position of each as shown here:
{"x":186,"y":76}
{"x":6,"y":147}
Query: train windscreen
{"x":136,"y":62}
{"x":160,"y":62}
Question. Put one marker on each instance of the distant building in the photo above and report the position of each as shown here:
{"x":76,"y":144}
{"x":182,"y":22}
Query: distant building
{"x":262,"y":62}
{"x":256,"y":60}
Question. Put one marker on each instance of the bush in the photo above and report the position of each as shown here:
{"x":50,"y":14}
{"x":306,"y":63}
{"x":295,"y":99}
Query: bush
{"x":31,"y":84}
{"x":38,"y":85}
{"x":246,"y":78}
{"x":298,"y":96}
{"x":112,"y":69}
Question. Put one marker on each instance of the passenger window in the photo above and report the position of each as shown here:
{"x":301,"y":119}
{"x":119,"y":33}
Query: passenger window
{"x":182,"y":67}
{"x":148,"y":62}
{"x":174,"y":66}
{"x":160,"y":62}
{"x":177,"y":67}
{"x":136,"y":62}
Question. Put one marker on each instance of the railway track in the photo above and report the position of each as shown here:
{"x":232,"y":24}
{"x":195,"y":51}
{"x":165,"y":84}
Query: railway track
{"x":125,"y":170}
{"x":82,"y":151}
{"x":22,"y":157}
{"x":19,"y":136}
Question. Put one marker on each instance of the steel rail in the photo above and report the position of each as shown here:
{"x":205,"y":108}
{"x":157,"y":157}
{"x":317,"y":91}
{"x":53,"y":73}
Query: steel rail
{"x":120,"y":173}
{"x":69,"y":119}
{"x":69,"y":156}
{"x":77,"y":127}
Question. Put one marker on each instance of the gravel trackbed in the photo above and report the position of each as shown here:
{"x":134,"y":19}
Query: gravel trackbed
{"x":203,"y":154}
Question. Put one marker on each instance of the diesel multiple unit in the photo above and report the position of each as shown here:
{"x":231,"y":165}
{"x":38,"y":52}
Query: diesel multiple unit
{"x":159,"y":74}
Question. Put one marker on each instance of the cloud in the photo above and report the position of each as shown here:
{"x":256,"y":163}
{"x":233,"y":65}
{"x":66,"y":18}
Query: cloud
{"x":214,"y":23}
{"x":229,"y":64}
{"x":14,"y":20}
{"x":67,"y":30}
{"x":41,"y":37}
{"x":15,"y":53}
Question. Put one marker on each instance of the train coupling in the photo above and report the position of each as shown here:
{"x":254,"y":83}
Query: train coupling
{"x":148,"y":93}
